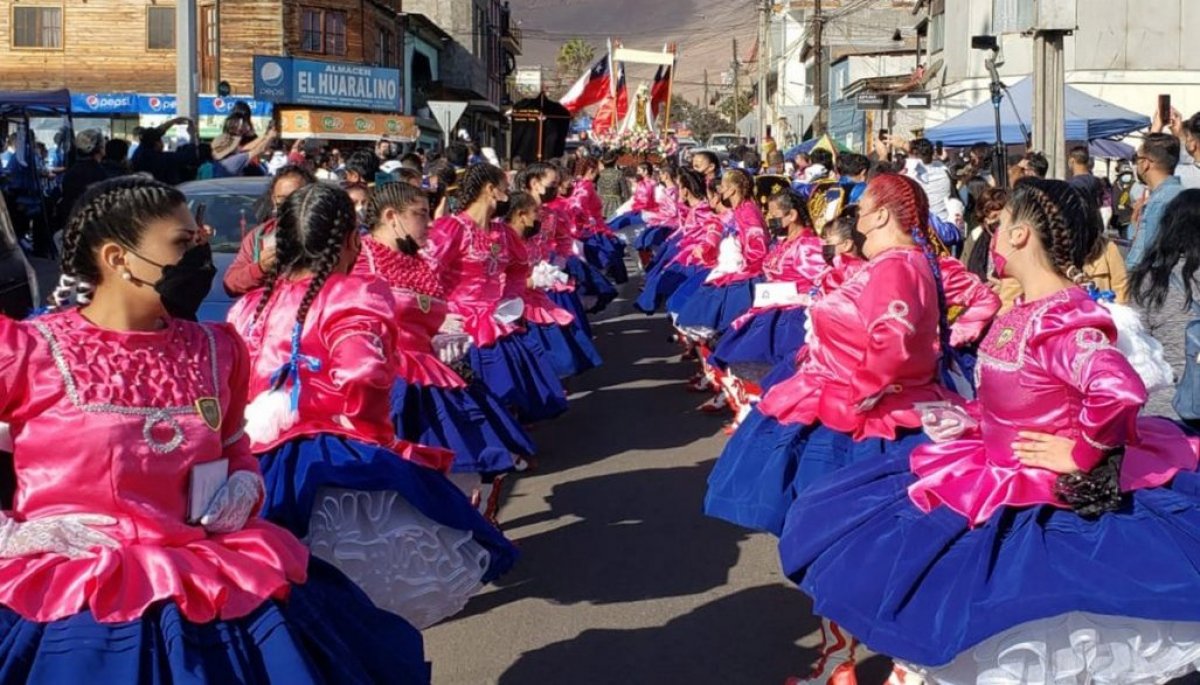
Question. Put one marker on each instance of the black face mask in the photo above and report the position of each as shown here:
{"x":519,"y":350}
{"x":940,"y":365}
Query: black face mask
{"x":407,"y":245}
{"x":501,"y":209}
{"x":776,"y":227}
{"x":829,"y":253}
{"x":184,"y":285}
{"x":549,"y":195}
{"x":728,"y":202}
{"x":532,"y":230}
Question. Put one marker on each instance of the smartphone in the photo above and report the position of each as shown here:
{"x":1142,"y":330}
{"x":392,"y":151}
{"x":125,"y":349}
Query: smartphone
{"x":1164,"y":109}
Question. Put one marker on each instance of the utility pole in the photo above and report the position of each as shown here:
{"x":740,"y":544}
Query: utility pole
{"x":1049,"y":87}
{"x":737,"y":88}
{"x":706,"y":90}
{"x":764,"y":60}
{"x":186,"y":90}
{"x":819,"y":69}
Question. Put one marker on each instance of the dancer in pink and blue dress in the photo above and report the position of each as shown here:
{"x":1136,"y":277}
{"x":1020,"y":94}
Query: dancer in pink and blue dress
{"x":559,"y":330}
{"x":323,"y":347}
{"x":690,"y":249}
{"x":1048,"y":533}
{"x":601,"y":247}
{"x":645,"y":199}
{"x":558,"y":233}
{"x":728,"y":290}
{"x":431,"y":403}
{"x":472,"y":253}
{"x":661,"y":219}
{"x":872,"y":354}
{"x":115,"y":566}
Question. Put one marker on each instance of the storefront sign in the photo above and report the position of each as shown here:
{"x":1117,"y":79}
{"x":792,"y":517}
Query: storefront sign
{"x":341,"y":85}
{"x":303,"y":123}
{"x":85,"y":104}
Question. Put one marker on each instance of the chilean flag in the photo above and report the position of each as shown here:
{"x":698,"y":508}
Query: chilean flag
{"x":614,"y":107}
{"x":591,"y":88}
{"x":660,"y":90}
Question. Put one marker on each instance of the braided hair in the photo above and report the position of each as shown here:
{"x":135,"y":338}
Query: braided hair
{"x":693,"y":182}
{"x":1060,"y":215}
{"x":477,"y":178}
{"x":314,"y":224}
{"x":788,"y":201}
{"x":741,"y":181}
{"x":534,"y":172}
{"x":116,"y":210}
{"x":397,"y":196}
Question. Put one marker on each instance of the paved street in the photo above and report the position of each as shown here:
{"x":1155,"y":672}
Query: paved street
{"x":622,"y":579}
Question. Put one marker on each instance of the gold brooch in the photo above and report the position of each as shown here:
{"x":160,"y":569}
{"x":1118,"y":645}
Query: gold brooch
{"x":1006,"y":336}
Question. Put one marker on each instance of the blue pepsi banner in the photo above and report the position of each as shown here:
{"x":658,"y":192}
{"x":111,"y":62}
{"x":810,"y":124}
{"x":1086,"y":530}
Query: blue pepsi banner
{"x":157,"y":104}
{"x":216,"y":106}
{"x":83,"y":104}
{"x":336,"y":85}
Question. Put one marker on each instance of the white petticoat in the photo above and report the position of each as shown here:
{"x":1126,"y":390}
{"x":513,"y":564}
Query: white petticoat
{"x":405,"y":562}
{"x":1078,"y":648}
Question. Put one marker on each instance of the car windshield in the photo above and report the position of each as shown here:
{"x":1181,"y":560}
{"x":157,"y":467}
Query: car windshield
{"x":231,"y":215}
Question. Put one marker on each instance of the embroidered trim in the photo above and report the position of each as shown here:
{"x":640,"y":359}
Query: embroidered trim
{"x":153,"y":416}
{"x":234,"y":439}
{"x":897,"y":310}
{"x":1022,"y":350}
{"x":378,"y":342}
{"x":1093,"y":443}
{"x":1089,"y":341}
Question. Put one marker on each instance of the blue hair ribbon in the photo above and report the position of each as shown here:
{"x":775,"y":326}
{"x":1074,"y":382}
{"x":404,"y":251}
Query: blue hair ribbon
{"x":290,"y":371}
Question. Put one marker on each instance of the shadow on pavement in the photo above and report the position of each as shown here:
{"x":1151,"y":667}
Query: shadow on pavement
{"x":748,"y":637}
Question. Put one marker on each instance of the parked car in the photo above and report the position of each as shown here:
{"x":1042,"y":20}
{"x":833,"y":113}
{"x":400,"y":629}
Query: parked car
{"x":724,"y":142}
{"x":18,"y":282}
{"x":233,"y":207}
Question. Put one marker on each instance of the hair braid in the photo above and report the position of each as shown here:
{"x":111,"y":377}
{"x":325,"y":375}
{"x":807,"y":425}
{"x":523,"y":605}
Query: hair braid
{"x":1059,"y":215}
{"x":475,"y":180}
{"x":322,"y":269}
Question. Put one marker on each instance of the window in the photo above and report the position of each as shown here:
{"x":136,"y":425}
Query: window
{"x":310,"y":31}
{"x":335,"y":33}
{"x":937,"y":26}
{"x":160,"y":28}
{"x":37,"y":27}
{"x":385,"y":48}
{"x":1011,"y":16}
{"x":323,"y":32}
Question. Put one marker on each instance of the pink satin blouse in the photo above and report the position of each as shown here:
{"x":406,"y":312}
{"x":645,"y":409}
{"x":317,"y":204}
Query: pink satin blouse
{"x":109,"y":422}
{"x":750,"y":228}
{"x":701,"y":238}
{"x":873,"y":352}
{"x":1048,"y":366}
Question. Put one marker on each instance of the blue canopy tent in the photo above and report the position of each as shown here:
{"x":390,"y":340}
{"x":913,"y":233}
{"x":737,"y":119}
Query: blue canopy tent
{"x":1087,"y":118}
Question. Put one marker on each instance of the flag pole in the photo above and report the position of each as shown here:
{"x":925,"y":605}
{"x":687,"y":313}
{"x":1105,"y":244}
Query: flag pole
{"x":612,"y":82}
{"x":670,"y":85}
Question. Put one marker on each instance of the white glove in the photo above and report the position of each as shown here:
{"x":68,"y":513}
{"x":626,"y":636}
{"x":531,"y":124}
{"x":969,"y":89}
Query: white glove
{"x":234,"y":502}
{"x":70,"y":535}
{"x":546,"y":276}
{"x":450,"y":347}
{"x":453,"y":323}
{"x":945,"y":424}
{"x":509,"y":311}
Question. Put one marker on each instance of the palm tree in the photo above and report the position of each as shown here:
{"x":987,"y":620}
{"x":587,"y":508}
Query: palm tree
{"x":574,"y":56}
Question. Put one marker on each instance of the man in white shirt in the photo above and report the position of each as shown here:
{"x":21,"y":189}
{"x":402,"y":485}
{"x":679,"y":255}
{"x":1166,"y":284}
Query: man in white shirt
{"x":933,"y":176}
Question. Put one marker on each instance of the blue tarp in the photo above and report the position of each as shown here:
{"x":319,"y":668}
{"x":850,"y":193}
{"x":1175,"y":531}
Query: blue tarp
{"x":35,"y":102}
{"x":1088,"y":118}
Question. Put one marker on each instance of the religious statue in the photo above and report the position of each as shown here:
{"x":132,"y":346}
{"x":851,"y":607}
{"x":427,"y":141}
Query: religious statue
{"x":640,"y":116}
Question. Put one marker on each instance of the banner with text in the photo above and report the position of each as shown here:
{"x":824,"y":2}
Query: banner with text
{"x":340,"y":85}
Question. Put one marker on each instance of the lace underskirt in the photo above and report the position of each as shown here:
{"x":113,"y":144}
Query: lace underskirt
{"x":1078,"y":648}
{"x":405,"y":562}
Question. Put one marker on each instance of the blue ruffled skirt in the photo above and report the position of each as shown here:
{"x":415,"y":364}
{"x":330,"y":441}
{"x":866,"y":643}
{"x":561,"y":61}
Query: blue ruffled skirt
{"x":663,"y":281}
{"x":651,"y":238}
{"x":606,"y":253}
{"x":571,"y":350}
{"x":518,"y":370}
{"x":326,"y":632}
{"x":296,"y":470}
{"x":677,"y":300}
{"x":571,"y":302}
{"x":768,"y":338}
{"x":925,"y":588}
{"x":468,"y":421}
{"x":590,"y":283}
{"x":625,"y":220}
{"x":767,"y":464}
{"x":782,"y":371}
{"x":715,"y":307}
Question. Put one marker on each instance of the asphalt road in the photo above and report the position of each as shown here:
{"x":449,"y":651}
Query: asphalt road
{"x":622,"y":578}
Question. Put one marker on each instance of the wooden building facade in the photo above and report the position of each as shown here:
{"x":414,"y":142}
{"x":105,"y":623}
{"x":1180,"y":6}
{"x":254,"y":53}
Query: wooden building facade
{"x":129,"y":45}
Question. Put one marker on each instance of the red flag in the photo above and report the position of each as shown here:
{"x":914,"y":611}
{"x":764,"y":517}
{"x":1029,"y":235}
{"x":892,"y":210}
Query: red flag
{"x":660,"y":90}
{"x":591,"y":88}
{"x":614,"y":107}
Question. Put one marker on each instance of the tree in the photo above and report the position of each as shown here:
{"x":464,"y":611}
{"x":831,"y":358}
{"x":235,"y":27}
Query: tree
{"x":726,"y":107}
{"x":701,"y":121}
{"x":574,"y":57}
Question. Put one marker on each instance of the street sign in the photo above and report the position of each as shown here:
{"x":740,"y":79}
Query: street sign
{"x":912,"y":101}
{"x":881,"y":101}
{"x":447,"y":114}
{"x":865,"y":101}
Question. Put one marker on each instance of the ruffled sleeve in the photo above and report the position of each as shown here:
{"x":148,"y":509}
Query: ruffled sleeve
{"x":235,"y":445}
{"x":1075,"y":344}
{"x":891,"y":309}
{"x":752,"y":231}
{"x":445,"y":249}
{"x":972,"y":304}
